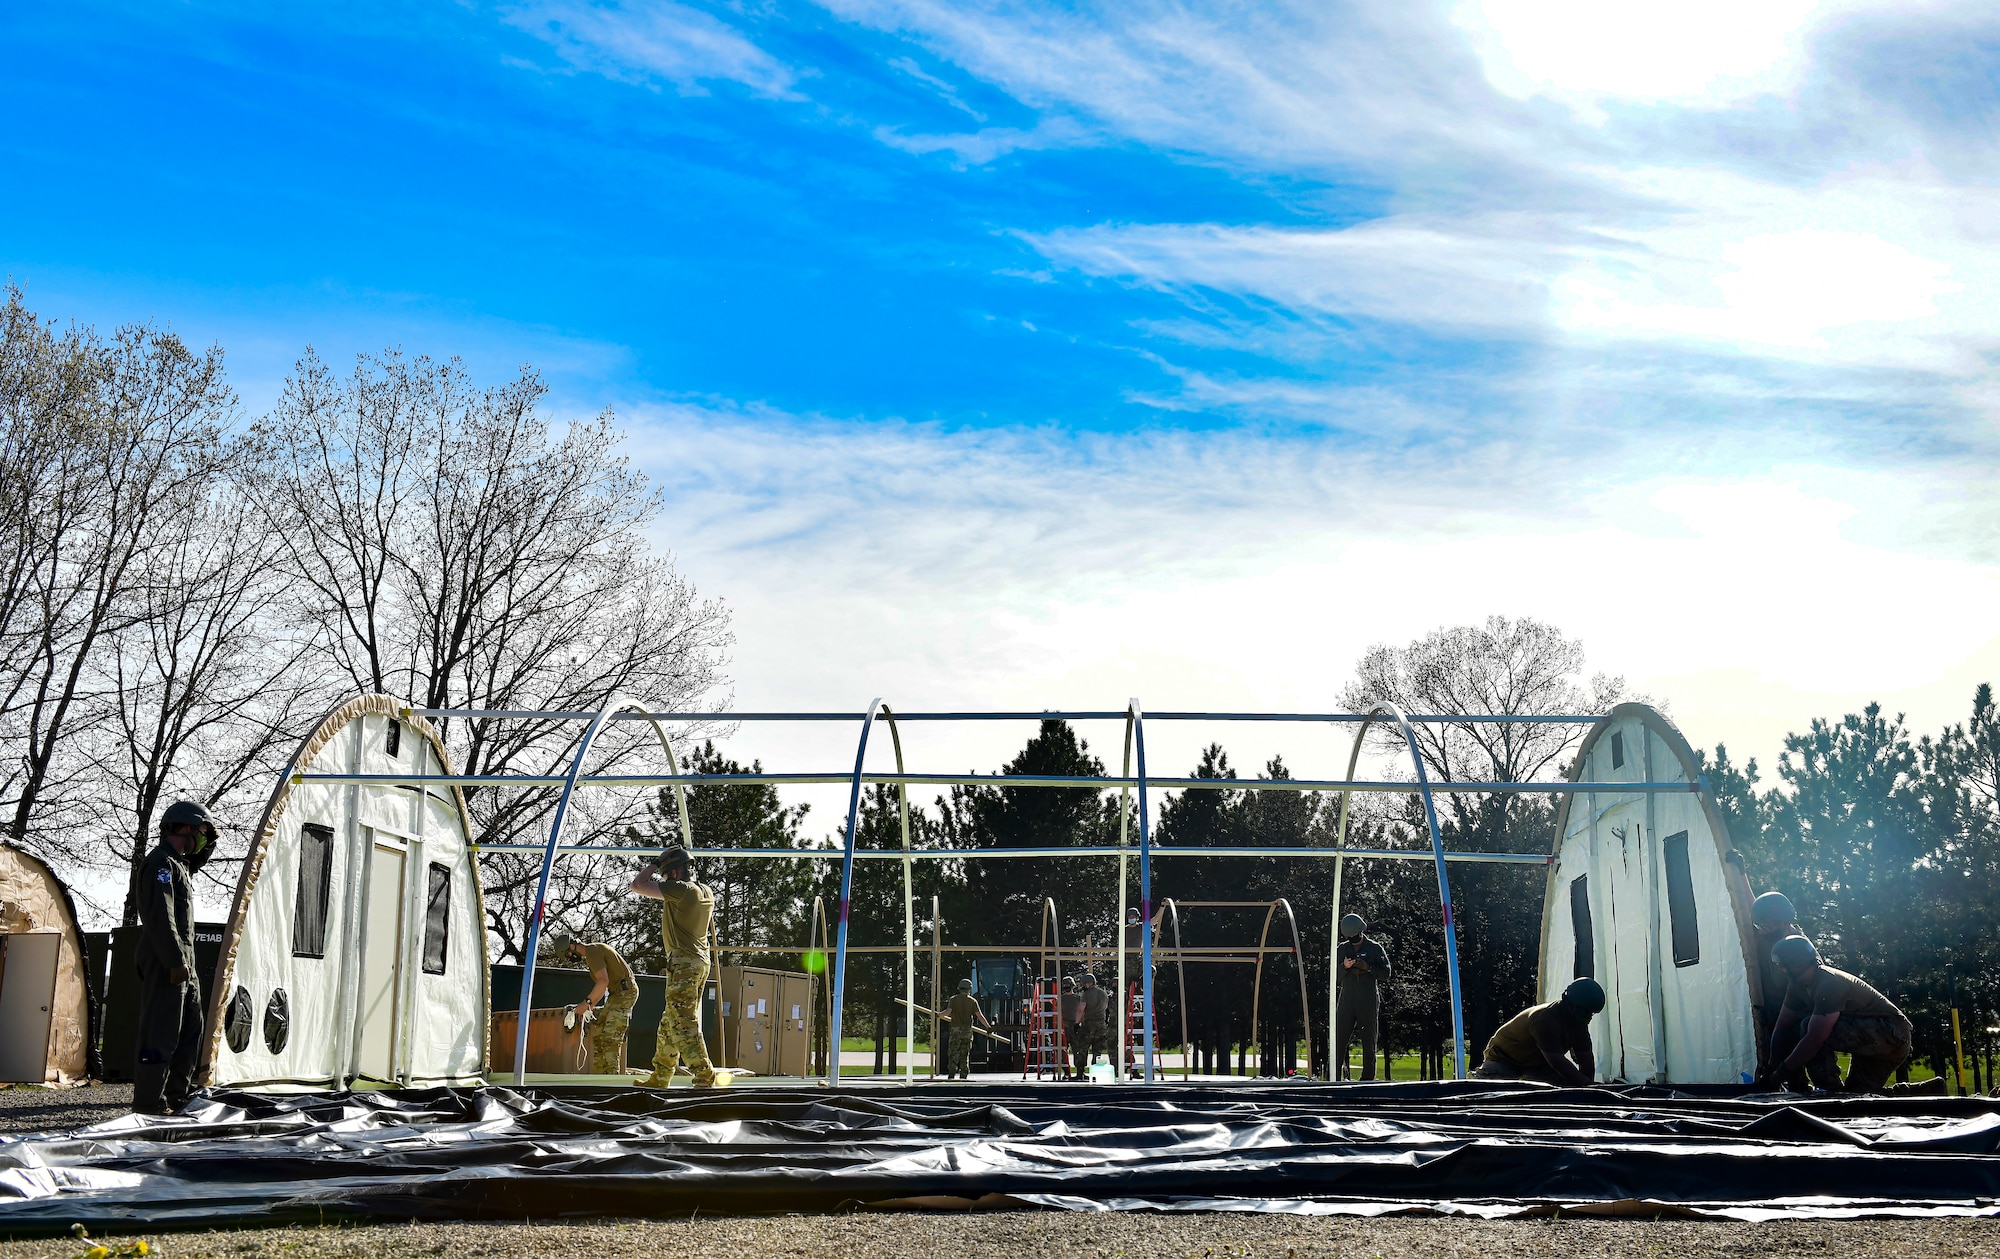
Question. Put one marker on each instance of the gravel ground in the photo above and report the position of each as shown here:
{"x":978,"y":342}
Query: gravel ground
{"x":1013,"y":1235}
{"x":29,"y":1108}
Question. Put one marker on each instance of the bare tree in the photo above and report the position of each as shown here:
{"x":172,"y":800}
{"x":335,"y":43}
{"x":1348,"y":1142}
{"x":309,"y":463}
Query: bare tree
{"x":130,"y":429}
{"x":1518,"y":667}
{"x":206,"y":689}
{"x":452,"y":548}
{"x":1515,"y":667}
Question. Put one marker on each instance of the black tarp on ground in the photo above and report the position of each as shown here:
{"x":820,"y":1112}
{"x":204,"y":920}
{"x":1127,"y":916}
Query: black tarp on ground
{"x":495,"y":1152}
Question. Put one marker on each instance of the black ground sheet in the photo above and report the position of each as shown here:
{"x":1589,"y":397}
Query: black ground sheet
{"x":543,"y":1153}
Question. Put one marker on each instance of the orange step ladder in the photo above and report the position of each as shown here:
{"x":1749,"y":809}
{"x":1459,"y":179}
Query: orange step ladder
{"x":1047,"y":1053}
{"x":1135,"y":1031}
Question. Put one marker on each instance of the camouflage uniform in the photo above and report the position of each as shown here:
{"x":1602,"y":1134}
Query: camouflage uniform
{"x":1870,"y":1029}
{"x":680,"y":1024}
{"x":607,"y":1033}
{"x":1093,"y":1032}
{"x":964,"y":1016}
{"x":621,"y":991}
{"x":686,"y":908}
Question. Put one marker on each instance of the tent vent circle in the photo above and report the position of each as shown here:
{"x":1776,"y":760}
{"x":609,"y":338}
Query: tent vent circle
{"x":242,"y":1016}
{"x":277,"y":1021}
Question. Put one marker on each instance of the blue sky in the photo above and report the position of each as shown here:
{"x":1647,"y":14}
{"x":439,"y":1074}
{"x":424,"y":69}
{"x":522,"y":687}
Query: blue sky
{"x":998,"y":353}
{"x":751,"y":229}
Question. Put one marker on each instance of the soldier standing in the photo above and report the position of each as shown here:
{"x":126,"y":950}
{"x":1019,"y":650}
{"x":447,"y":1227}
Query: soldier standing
{"x":1072,"y":1021}
{"x":1364,"y":967}
{"x":964,"y":1012}
{"x":170,"y":1018}
{"x":614,"y":986}
{"x":686,"y":909}
{"x":1090,"y":1036}
{"x":1829,"y":1011}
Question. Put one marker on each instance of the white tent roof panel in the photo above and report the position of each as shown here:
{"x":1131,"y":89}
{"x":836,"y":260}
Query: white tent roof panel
{"x":1642,"y":877}
{"x":352,"y":896}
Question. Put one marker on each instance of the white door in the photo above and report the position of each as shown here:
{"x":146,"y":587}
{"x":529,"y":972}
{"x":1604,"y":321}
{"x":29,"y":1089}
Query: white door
{"x":27,"y":992}
{"x":381,"y":959}
{"x":1627,"y":972}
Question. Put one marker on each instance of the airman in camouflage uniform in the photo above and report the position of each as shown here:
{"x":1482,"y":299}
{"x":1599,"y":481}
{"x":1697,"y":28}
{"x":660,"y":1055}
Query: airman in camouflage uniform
{"x":964,"y":1013}
{"x":1828,"y":1011}
{"x":617,"y":989}
{"x":686,"y":909}
{"x":1094,"y":1030}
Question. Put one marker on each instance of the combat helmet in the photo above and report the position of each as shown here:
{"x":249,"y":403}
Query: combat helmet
{"x":1585,"y":995}
{"x":1772,"y":909}
{"x":1795,"y":953}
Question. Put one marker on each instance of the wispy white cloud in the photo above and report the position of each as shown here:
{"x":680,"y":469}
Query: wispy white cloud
{"x":652,"y":42}
{"x":1288,"y":85}
{"x":976,"y":148}
{"x":1884,"y":269}
{"x":1697,"y":52}
{"x":1028,"y":568}
{"x":1697,"y":177}
{"x":909,"y":66}
{"x":1725,"y":327}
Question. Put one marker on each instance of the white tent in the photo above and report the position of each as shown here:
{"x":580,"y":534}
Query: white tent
{"x":45,"y":1032}
{"x":1639,"y":899}
{"x":356,"y":945}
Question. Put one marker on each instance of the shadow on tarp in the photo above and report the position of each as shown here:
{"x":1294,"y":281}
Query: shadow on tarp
{"x":1466,"y":1147}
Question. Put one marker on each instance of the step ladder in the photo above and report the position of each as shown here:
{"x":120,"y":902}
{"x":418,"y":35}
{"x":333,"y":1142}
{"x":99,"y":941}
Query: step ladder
{"x":1135,"y":1031}
{"x":1047,"y":1052}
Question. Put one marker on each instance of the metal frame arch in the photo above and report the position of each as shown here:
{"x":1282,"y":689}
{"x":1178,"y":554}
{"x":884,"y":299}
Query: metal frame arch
{"x":1385,"y":709}
{"x":680,"y":789}
{"x":1052,"y":926}
{"x":1298,"y":962}
{"x":875,"y":706}
{"x":1135,"y":741}
{"x":909,"y":913}
{"x":617,"y":703}
{"x":1173,"y":913}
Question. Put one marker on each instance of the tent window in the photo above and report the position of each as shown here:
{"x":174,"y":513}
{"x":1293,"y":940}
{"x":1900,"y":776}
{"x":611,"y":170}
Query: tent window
{"x":1579,"y":921}
{"x":437,"y":918}
{"x":1618,"y":749}
{"x":315,"y":887}
{"x":1680,"y":901}
{"x":242,"y":1013}
{"x":277,"y":1022}
{"x":394,"y":746}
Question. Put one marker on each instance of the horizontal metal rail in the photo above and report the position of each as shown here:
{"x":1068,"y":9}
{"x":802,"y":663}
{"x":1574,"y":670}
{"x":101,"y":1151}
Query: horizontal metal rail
{"x":1220,"y":952}
{"x":952,"y":854}
{"x":1505,"y":719}
{"x":1094,"y":782}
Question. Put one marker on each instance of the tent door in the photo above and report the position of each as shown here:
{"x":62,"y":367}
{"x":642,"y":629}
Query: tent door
{"x":381,"y":962}
{"x":27,"y":995}
{"x":1623,"y":851}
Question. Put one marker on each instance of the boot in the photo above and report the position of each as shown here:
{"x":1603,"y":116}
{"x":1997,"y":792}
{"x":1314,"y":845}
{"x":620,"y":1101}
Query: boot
{"x":149,"y":1088}
{"x":179,"y":1086}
